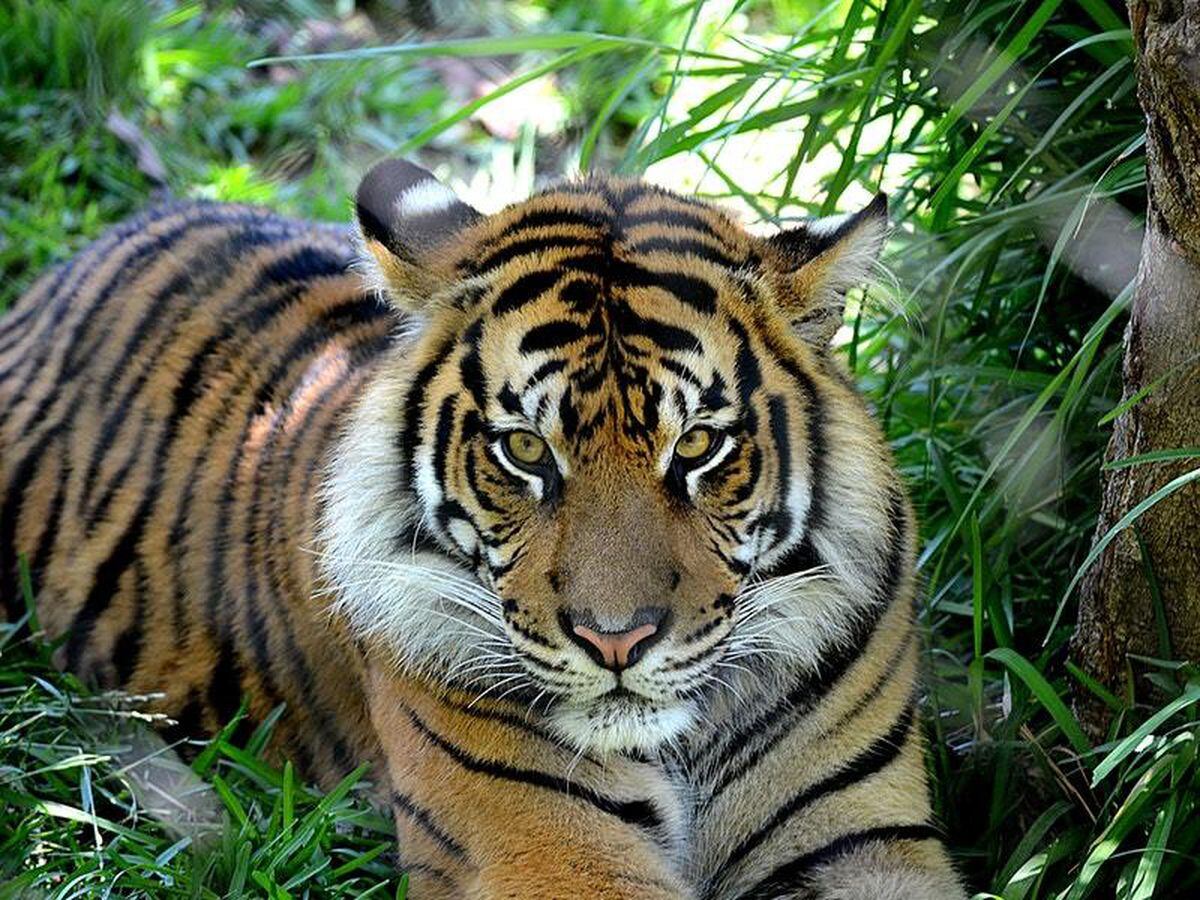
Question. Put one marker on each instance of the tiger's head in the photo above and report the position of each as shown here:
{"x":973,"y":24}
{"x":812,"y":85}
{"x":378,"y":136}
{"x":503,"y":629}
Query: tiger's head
{"x":597,"y":462}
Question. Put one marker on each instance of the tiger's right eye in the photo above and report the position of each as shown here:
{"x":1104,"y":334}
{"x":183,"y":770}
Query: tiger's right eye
{"x":525,"y":448}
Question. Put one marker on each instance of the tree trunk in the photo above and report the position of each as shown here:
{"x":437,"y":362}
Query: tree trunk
{"x":1117,"y":614}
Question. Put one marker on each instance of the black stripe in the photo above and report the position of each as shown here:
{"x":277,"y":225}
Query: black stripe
{"x":41,"y":555}
{"x":810,"y":689}
{"x":817,"y":445}
{"x":11,"y":600}
{"x":682,"y":372}
{"x":780,"y":518}
{"x":105,"y":580}
{"x":415,"y":404}
{"x":633,"y":812}
{"x":525,"y":290}
{"x":545,"y":370}
{"x":14,"y":495}
{"x":511,"y":251}
{"x":881,"y":752}
{"x":127,"y":648}
{"x":444,"y":431}
{"x":45,"y":290}
{"x":713,"y":396}
{"x":551,"y":336}
{"x":426,"y":823}
{"x":688,"y":247}
{"x":628,"y":323}
{"x":893,"y":564}
{"x":408,"y":867}
{"x":544,"y":218}
{"x":774,"y":723}
{"x":671,"y":217}
{"x":746,"y":367}
{"x":581,"y":294}
{"x":14,"y":317}
{"x":477,"y":487}
{"x":754,"y":461}
{"x":596,"y":264}
{"x":520,"y":721}
{"x":470,"y":368}
{"x":785,"y":879}
{"x":189,"y":720}
{"x":99,"y":510}
{"x":568,"y":416}
{"x":224,"y":692}
{"x":887,"y":676}
{"x":693,"y":292}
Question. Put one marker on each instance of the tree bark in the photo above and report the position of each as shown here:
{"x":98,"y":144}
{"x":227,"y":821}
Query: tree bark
{"x":1162,"y":349}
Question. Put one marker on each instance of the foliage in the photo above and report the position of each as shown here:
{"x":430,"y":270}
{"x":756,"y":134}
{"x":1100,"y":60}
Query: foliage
{"x":92,"y":800}
{"x":1009,"y":138}
{"x":176,"y":72}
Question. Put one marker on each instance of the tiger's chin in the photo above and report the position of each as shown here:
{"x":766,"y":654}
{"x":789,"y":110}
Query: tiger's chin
{"x":622,"y":723}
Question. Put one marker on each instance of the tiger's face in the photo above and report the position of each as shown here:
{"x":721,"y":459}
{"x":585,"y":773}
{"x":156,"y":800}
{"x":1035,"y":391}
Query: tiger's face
{"x":600,"y":438}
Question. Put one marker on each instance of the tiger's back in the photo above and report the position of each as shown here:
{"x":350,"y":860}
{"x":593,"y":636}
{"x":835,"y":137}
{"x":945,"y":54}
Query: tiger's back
{"x":166,"y":398}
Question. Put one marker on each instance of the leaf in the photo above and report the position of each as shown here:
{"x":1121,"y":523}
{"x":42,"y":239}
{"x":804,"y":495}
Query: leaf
{"x":492,"y":46}
{"x":1001,"y":64}
{"x":1046,"y":695}
{"x":1130,"y":743}
{"x":1153,"y":456}
{"x":1146,"y":877}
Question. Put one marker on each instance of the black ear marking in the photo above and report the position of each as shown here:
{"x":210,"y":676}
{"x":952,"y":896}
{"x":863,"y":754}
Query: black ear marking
{"x":809,"y":240}
{"x":407,"y":210}
{"x":816,"y":263}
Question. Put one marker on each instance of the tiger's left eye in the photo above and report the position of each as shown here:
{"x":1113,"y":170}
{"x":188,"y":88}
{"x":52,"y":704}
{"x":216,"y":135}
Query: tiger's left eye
{"x":525,"y":447}
{"x":694,"y":444}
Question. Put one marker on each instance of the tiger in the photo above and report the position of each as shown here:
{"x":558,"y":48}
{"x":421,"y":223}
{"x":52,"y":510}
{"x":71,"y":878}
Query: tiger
{"x":566,"y":520}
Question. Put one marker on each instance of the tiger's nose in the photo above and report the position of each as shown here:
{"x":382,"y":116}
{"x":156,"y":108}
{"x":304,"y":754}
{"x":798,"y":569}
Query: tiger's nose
{"x":616,"y":650}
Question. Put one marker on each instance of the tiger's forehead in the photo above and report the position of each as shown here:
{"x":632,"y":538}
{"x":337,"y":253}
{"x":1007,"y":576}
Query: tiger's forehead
{"x":603,"y":309}
{"x":606,"y":215}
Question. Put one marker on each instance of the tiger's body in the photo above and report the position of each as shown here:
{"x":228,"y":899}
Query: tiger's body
{"x":584,"y":541}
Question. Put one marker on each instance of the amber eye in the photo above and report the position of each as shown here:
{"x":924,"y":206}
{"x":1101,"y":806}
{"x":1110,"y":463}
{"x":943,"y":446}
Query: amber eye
{"x":694,"y":444}
{"x":525,"y":447}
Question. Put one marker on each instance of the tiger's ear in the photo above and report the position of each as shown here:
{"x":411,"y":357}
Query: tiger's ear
{"x":406,"y":218}
{"x":816,"y":263}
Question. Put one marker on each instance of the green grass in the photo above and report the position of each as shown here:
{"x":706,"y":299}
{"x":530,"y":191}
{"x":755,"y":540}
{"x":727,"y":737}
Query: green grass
{"x":1008,"y":136}
{"x":93,"y":801}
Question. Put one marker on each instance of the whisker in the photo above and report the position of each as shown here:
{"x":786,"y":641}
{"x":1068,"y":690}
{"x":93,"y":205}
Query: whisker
{"x":493,"y":687}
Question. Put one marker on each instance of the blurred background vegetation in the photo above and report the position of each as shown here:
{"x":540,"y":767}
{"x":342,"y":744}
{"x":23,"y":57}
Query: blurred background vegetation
{"x":1008,"y":136}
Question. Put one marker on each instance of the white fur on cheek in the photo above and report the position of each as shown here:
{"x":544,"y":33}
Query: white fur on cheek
{"x":392,"y":594}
